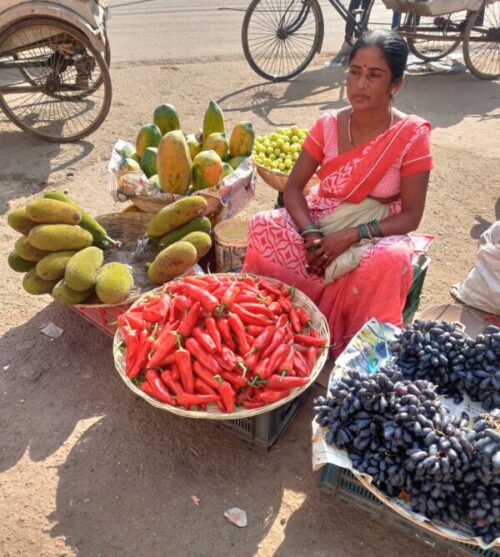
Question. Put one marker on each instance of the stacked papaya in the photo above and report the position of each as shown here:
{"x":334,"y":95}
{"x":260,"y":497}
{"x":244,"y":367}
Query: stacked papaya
{"x":183,"y":164}
{"x":61,"y":253}
{"x":182,"y":234}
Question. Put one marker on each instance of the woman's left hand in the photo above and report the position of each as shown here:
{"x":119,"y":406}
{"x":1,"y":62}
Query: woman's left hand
{"x":331,"y":247}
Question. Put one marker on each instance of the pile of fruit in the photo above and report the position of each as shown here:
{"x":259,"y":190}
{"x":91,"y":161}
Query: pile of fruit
{"x":182,"y":164}
{"x":280,"y":149}
{"x":182,"y":234}
{"x":399,"y":432}
{"x":439,"y":352}
{"x":232,"y":342}
{"x":61,"y":253}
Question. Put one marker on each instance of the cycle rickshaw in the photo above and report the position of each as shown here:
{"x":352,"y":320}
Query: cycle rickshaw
{"x":54,"y":58}
{"x":280,"y":39}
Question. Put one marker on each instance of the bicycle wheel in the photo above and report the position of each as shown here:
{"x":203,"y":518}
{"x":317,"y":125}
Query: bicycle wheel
{"x":54,"y":84}
{"x":482,"y":42}
{"x":440,"y":34}
{"x":281,"y":37}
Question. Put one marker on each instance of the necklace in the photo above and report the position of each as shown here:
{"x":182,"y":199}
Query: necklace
{"x":349,"y":126}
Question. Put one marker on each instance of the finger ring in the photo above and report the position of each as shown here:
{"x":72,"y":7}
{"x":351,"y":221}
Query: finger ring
{"x":325,"y":256}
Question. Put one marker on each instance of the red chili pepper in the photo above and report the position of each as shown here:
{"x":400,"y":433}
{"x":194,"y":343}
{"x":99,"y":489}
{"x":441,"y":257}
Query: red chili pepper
{"x":132,"y":320}
{"x":225,"y":332}
{"x":247,"y":297}
{"x":157,"y":311}
{"x":309,"y":340}
{"x":273,"y":396}
{"x":254,"y":330}
{"x":250,"y":318}
{"x":207,"y":300}
{"x":248,"y":280}
{"x":300,"y":365}
{"x":261,"y":367}
{"x":171,"y":383}
{"x":285,"y":304}
{"x":277,"y":383}
{"x":166,"y":344}
{"x":251,"y":359}
{"x":161,"y":333}
{"x":285,"y":291}
{"x":270,"y":287}
{"x":204,"y":339}
{"x":205,"y":359}
{"x":160,"y":391}
{"x":282,"y":321}
{"x":236,"y":380}
{"x":305,"y":319}
{"x":183,"y":363}
{"x":239,"y":330}
{"x":175,"y":370}
{"x":200,"y":282}
{"x":132,"y":346}
{"x":311,"y":358}
{"x":263,"y":340}
{"x":205,"y":375}
{"x":252,"y":405}
{"x":230,"y":295}
{"x":276,"y":308}
{"x":286,"y":364}
{"x":294,"y":320}
{"x":146,"y":388}
{"x":276,"y":358}
{"x":190,"y":320}
{"x":278,"y":337}
{"x":203,"y":389}
{"x":229,"y":356}
{"x":228,"y":395}
{"x":257,"y":308}
{"x":187,"y":400}
{"x":141,"y":359}
{"x":182,"y":302}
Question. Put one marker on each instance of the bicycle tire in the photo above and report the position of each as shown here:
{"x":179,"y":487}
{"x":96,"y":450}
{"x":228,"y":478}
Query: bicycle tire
{"x":439,"y":48}
{"x":262,"y":69}
{"x":490,"y":15}
{"x":104,"y":81}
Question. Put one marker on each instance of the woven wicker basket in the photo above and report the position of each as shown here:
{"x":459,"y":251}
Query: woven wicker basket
{"x":213,"y":413}
{"x":277,"y":180}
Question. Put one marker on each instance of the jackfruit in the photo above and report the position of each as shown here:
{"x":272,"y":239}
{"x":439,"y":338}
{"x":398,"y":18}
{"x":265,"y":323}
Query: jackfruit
{"x":200,"y":240}
{"x":199,"y":223}
{"x":59,"y":237}
{"x":24,"y":249}
{"x":19,"y":221}
{"x":33,"y":284}
{"x":53,"y":265}
{"x":18,"y":264}
{"x":114,"y":283}
{"x":82,"y":269}
{"x":51,"y":211}
{"x":63,"y":294}
{"x":176,"y":214}
{"x":172,"y":262}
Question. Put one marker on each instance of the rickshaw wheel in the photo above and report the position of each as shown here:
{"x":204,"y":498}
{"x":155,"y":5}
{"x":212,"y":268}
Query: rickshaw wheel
{"x":62,"y":82}
{"x":433,"y":49}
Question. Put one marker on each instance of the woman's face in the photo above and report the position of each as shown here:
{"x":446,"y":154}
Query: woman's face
{"x":369,"y":80}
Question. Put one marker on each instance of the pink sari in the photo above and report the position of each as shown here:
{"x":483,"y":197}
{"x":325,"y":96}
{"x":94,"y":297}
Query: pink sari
{"x":379,"y":285}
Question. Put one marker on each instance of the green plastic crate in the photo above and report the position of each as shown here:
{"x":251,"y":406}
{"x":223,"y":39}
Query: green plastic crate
{"x":341,"y":483}
{"x":413,"y":297}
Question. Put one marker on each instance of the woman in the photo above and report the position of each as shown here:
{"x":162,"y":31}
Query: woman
{"x":371,"y":157}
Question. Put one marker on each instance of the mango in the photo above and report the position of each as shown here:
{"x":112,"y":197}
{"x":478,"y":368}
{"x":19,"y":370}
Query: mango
{"x":51,"y":211}
{"x":207,"y":170}
{"x":128,"y":165}
{"x":242,"y":140}
{"x":193,"y":144}
{"x":172,"y":262}
{"x":213,"y":121}
{"x":63,"y":294}
{"x":166,"y":118}
{"x":175,"y":215}
{"x":18,"y":264}
{"x":82,"y":269}
{"x":114,"y":283}
{"x":200,"y":240}
{"x":226,"y":170}
{"x":24,"y":249}
{"x":173,"y":163}
{"x":127,"y":152}
{"x":19,"y":221}
{"x":218,"y":143}
{"x":35,"y":285}
{"x":201,"y":224}
{"x":148,"y":136}
{"x":59,"y":237}
{"x":53,"y":265}
{"x":148,"y":161}
{"x":235,"y":162}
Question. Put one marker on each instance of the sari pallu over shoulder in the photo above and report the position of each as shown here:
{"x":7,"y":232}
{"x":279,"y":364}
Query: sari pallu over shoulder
{"x":353,"y":175}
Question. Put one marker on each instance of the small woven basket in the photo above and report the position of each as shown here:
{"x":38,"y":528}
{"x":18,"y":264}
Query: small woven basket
{"x":213,"y":413}
{"x":128,"y":229}
{"x":277,"y":180}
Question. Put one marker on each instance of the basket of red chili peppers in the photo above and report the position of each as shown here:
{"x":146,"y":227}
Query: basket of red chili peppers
{"x":221,"y":346}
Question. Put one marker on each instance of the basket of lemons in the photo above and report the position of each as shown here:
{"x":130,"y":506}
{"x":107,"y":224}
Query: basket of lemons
{"x":276,"y":153}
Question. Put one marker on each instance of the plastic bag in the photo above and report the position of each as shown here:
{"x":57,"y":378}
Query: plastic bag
{"x":481,"y":288}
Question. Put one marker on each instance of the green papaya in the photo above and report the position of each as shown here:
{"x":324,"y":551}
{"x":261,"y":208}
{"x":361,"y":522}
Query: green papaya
{"x":148,"y":136}
{"x":242,"y":140}
{"x":148,"y":161}
{"x":213,"y":122}
{"x":63,"y":294}
{"x":166,"y":118}
{"x":59,"y":237}
{"x":24,"y":249}
{"x":173,"y":163}
{"x":82,"y":269}
{"x":200,"y":240}
{"x":51,"y":211}
{"x":226,"y":170}
{"x":193,"y":144}
{"x":207,"y":170}
{"x":53,"y":265}
{"x":114,"y":283}
{"x":172,"y":262}
{"x":218,"y":143}
{"x":19,"y":221}
{"x":235,"y":162}
{"x":175,"y":215}
{"x":33,"y":284}
{"x":201,"y":224}
{"x":18,"y":264}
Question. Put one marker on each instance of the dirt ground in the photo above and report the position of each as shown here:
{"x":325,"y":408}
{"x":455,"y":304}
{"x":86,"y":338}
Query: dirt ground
{"x":86,"y":468}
